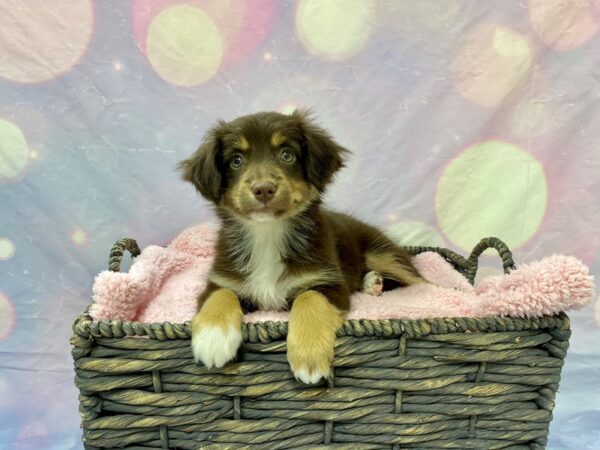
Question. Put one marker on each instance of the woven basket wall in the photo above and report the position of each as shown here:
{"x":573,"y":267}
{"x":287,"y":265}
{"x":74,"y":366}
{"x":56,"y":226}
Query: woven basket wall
{"x":450,"y":383}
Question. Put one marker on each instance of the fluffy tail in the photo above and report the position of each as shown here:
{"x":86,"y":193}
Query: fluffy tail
{"x":392,"y":262}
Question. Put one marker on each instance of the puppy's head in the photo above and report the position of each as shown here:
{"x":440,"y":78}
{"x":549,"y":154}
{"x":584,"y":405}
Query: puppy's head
{"x":264,"y":166}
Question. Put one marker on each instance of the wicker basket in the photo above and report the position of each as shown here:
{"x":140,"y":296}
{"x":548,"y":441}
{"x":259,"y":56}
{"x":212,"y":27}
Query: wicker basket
{"x":454,"y":383}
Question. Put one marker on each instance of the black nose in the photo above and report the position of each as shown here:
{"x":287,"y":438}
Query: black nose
{"x":264,"y":192}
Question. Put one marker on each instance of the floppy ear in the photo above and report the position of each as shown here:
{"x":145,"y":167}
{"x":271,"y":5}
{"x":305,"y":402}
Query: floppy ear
{"x":323,"y":157}
{"x":203,"y":169}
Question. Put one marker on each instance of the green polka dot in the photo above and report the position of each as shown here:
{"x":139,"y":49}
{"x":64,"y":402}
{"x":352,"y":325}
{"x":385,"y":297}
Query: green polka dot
{"x":491,"y":189}
{"x":13,"y":151}
{"x":335,"y":29}
{"x":7,"y":248}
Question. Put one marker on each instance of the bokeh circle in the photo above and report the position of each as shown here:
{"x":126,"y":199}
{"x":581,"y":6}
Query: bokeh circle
{"x":7,"y":248}
{"x":493,"y":188}
{"x":242,"y":26}
{"x":184,"y":45}
{"x":492,"y":61}
{"x":564,"y":24}
{"x":335,"y":29}
{"x":14,"y":153}
{"x":78,"y":236}
{"x":42,"y":40}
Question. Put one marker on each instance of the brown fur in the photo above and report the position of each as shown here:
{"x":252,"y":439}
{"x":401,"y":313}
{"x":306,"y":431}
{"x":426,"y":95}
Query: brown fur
{"x":315,"y":254}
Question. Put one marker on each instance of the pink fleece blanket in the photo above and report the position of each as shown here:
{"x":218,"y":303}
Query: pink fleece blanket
{"x":163,"y":283}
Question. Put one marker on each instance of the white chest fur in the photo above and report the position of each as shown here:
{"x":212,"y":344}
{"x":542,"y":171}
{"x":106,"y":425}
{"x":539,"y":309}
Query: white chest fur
{"x":263,"y":246}
{"x":266,"y":246}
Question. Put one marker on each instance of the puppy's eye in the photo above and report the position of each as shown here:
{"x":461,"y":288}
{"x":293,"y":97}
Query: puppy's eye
{"x":237,"y":161}
{"x":287,"y":157}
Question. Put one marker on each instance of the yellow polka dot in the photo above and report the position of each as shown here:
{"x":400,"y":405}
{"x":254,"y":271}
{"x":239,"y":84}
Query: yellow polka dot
{"x":14,"y":153}
{"x":335,"y":29}
{"x":564,"y":24}
{"x":491,"y":189}
{"x":7,"y":248}
{"x":41,"y":40}
{"x":184,"y":45}
{"x":78,"y":236}
{"x":507,"y":43}
{"x":7,"y":316}
{"x":267,"y":56}
{"x":414,"y":234}
{"x":491,"y":63}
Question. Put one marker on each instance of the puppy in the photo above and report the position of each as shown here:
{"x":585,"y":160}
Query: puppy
{"x":278,"y":249}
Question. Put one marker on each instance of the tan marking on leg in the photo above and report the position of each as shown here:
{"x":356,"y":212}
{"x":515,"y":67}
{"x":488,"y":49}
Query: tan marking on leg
{"x":311,"y":336}
{"x":390,"y":267}
{"x":277,"y":139}
{"x":216,"y":329}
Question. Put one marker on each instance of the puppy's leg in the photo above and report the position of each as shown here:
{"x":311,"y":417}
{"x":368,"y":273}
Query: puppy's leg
{"x":392,"y":263}
{"x":313,"y":323}
{"x":216,"y":328}
{"x":373,"y":283}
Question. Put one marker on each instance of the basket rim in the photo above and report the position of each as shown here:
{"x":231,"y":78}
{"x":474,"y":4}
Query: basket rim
{"x":269,"y":331}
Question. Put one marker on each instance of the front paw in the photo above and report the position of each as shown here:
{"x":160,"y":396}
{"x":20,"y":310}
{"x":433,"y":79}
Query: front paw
{"x":311,"y":336}
{"x":310,"y":361}
{"x":215,"y":345}
{"x":217,"y":329}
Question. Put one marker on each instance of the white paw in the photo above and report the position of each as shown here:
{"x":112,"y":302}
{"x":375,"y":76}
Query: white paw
{"x":309,"y":376}
{"x":373,"y":283}
{"x":310,"y":361}
{"x":215,"y":346}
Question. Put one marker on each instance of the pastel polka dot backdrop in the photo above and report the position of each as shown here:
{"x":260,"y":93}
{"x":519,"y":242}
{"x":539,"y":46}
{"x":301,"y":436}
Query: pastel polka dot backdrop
{"x":335,"y":29}
{"x":493,"y":188}
{"x":493,"y":61}
{"x":184,"y":45}
{"x":7,"y":248}
{"x":7,"y":316}
{"x":14,"y":153}
{"x":40,"y":41}
{"x":565,"y":24}
{"x":465,"y":119}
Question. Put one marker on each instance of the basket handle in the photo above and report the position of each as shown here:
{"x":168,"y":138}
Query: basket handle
{"x":117,"y":250}
{"x":490,"y":242}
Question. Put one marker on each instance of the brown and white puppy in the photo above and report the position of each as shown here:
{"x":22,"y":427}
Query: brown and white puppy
{"x":278,"y":248}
